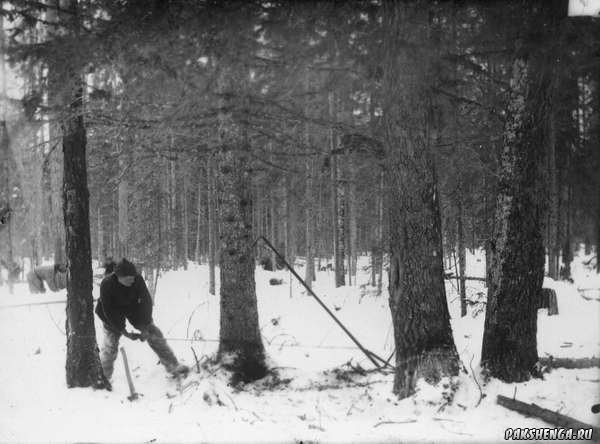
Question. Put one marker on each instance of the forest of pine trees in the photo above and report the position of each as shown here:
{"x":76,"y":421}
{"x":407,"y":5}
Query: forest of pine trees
{"x":171,"y":131}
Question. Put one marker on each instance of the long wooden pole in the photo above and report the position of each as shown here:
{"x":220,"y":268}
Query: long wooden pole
{"x":368,"y":354}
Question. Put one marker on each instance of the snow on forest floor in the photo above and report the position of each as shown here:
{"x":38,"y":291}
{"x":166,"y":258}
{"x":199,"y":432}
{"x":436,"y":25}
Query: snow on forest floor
{"x":319,"y":394}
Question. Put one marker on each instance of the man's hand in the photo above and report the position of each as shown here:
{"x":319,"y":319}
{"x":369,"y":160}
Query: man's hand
{"x":144,"y":335}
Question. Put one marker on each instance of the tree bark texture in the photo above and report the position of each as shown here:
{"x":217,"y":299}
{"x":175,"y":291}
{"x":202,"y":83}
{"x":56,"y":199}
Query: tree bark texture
{"x":509,"y":348}
{"x":83,"y":367}
{"x":422,"y":333}
{"x":240,"y":341}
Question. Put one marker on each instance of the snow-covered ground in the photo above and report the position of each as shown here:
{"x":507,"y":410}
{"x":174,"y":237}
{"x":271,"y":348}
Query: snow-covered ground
{"x":318,"y":395}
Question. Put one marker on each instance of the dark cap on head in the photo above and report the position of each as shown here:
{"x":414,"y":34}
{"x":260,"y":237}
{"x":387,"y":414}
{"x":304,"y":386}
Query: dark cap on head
{"x":125,"y":268}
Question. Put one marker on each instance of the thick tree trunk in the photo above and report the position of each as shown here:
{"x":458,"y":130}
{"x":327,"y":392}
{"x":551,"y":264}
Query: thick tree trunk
{"x":240,"y":341}
{"x":83,"y":367}
{"x":239,"y":332}
{"x":422,"y":333}
{"x":509,"y":343}
{"x":509,"y":348}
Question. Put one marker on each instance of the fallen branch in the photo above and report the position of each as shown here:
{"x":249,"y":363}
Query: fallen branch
{"x":589,"y":261}
{"x":196,"y":359}
{"x":582,"y":293}
{"x":455,"y":432}
{"x":549,"y":416}
{"x":187,"y":330}
{"x":408,"y":421}
{"x":464,"y":278}
{"x":553,"y":362}
{"x":447,"y":419}
{"x":481,"y":394}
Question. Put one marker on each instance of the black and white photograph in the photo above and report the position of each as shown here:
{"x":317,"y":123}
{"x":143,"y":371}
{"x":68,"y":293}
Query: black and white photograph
{"x":271,"y":221}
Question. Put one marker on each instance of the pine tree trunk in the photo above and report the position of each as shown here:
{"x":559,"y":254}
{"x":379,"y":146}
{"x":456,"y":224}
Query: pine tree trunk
{"x":159,"y":217}
{"x":286,"y":219}
{"x":167,"y":212}
{"x":5,"y":156}
{"x":340,"y":271}
{"x":273,"y":218}
{"x":200,"y":217}
{"x":338,"y":249}
{"x":185,"y":226}
{"x":101,"y":251}
{"x":309,"y":215}
{"x":83,"y":362}
{"x":597,"y":221}
{"x":509,"y":349}
{"x":380,"y":235}
{"x":565,"y":227}
{"x":292,"y":219}
{"x":212,"y":242}
{"x":309,"y":276}
{"x":509,"y":343}
{"x":423,"y":336}
{"x":462,"y":262}
{"x":123,"y":199}
{"x":353,"y":222}
{"x":39,"y":197}
{"x":240,"y":342}
{"x":347,"y":219}
{"x":175,"y":228}
{"x":6,"y":185}
{"x":83,"y":367}
{"x":553,"y":197}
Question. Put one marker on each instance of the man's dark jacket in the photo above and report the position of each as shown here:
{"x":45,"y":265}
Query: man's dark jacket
{"x":118,"y":302}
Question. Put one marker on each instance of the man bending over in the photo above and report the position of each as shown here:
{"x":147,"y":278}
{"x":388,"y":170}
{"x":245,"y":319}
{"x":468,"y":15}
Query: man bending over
{"x":124,"y":295}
